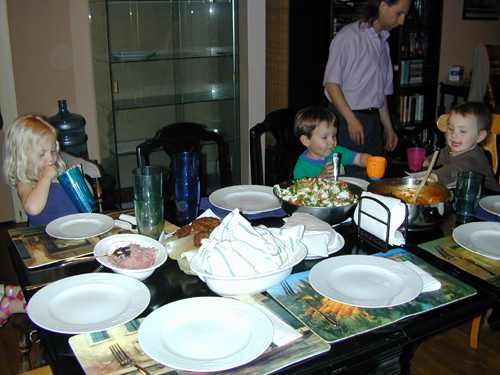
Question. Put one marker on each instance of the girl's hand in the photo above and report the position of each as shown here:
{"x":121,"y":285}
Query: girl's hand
{"x":49,"y":171}
{"x":327,"y":171}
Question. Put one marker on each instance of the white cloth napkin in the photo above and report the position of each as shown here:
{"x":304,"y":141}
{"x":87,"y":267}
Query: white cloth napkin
{"x":283,"y":333}
{"x":236,"y":248}
{"x":430,"y":284}
{"x":397,"y":209}
{"x":318,"y":234}
{"x":126,"y":221}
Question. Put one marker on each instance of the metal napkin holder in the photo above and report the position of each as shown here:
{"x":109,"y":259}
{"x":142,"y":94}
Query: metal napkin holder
{"x":370,"y":238}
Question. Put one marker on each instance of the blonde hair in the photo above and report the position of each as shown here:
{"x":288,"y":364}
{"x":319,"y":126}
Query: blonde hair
{"x":21,"y":144}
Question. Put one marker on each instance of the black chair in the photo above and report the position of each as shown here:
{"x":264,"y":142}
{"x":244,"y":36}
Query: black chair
{"x":281,"y":157}
{"x":493,"y":86}
{"x":186,"y":137}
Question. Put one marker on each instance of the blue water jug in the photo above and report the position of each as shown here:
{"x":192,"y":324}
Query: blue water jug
{"x":72,"y":137}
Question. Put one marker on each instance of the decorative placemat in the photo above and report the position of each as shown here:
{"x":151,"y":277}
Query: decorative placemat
{"x":452,"y":248}
{"x":93,"y":353}
{"x":353,"y":320}
{"x":37,"y":248}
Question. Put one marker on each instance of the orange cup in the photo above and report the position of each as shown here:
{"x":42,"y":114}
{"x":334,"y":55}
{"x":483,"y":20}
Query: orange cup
{"x":375,"y":167}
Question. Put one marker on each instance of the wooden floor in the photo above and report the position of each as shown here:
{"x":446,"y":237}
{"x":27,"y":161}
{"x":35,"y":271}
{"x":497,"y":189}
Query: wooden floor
{"x":447,"y":353}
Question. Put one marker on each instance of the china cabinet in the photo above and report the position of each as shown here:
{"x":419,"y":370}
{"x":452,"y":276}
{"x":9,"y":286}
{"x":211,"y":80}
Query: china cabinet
{"x":161,"y":62}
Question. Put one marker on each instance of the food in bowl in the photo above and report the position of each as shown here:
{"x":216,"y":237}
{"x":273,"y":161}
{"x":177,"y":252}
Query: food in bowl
{"x":200,"y":228}
{"x":427,"y":195}
{"x":139,"y":257}
{"x":317,"y":192}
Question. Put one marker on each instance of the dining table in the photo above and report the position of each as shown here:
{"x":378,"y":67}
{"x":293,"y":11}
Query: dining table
{"x":376,"y":341}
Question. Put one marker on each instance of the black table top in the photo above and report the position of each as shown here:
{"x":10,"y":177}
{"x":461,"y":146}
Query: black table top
{"x":384,"y":350}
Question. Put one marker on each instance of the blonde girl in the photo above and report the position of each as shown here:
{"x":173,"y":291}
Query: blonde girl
{"x":31,"y":165}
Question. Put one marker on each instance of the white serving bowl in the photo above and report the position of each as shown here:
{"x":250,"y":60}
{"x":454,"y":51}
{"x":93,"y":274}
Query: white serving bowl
{"x":111,"y":243}
{"x":238,"y":285}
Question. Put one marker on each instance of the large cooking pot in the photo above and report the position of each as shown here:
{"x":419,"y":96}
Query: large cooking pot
{"x":332,"y":215}
{"x":423,"y":215}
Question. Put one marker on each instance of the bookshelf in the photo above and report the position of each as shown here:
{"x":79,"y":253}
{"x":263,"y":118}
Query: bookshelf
{"x":415,"y":49}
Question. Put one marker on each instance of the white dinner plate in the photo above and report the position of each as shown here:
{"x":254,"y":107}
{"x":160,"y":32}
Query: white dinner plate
{"x":248,"y":198}
{"x":480,"y":238}
{"x":365,"y":281}
{"x":205,"y":334}
{"x":331,"y":249}
{"x":133,"y":56}
{"x":363,"y":184}
{"x":88,"y":303}
{"x":79,"y":226}
{"x":491,"y":204}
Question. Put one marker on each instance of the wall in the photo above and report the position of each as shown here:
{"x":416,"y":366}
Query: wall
{"x":460,"y":37}
{"x":50,"y":42}
{"x":252,"y":75}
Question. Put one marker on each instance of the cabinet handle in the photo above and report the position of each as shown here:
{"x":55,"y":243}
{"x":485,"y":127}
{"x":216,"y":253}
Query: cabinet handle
{"x":115,"y":84}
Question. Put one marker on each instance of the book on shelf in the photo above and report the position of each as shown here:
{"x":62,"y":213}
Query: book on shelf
{"x":414,"y":43}
{"x":411,"y":72}
{"x":411,"y":108}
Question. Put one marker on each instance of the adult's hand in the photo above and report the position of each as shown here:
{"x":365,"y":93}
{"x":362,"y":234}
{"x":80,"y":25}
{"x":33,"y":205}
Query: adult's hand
{"x":392,"y":139}
{"x":356,"y":131}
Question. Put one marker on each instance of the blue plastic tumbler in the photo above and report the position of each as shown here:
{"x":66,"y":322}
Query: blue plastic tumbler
{"x":75,"y":185}
{"x":186,"y":172}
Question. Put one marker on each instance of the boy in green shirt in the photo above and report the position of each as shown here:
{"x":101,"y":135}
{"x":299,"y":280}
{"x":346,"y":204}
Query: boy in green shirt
{"x":316,"y":127}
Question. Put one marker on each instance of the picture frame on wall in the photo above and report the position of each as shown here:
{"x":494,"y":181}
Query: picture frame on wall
{"x":481,"y":10}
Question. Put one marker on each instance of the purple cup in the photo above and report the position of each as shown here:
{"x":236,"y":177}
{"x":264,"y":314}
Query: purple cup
{"x":416,"y":157}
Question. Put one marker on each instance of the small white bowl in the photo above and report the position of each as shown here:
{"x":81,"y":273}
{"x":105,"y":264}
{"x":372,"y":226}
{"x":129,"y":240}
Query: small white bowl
{"x":234,"y":286}
{"x":111,"y":243}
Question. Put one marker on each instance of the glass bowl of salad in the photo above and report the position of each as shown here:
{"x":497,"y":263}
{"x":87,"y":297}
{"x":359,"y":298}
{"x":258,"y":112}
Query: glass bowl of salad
{"x":328,"y":200}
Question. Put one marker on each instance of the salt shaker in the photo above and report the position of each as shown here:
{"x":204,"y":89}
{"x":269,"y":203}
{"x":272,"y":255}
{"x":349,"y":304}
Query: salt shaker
{"x":335,"y":166}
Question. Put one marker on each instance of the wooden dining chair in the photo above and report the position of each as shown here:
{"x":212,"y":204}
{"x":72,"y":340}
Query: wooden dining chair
{"x":90,"y":169}
{"x":491,"y":146}
{"x":279,"y":157}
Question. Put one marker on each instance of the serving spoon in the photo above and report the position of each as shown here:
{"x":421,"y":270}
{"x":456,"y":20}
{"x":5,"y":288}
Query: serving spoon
{"x":424,"y":180}
{"x":121,"y":252}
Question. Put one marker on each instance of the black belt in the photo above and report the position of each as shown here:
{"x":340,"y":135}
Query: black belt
{"x":368,"y":111}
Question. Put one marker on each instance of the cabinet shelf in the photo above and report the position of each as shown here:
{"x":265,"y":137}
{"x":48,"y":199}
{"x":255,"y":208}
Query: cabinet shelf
{"x":165,"y":100}
{"x":174,"y":56}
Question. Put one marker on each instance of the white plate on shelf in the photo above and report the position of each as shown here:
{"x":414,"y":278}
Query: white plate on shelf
{"x":363,"y":184}
{"x":248,"y":198}
{"x":480,"y":237}
{"x":79,"y":226}
{"x":88,"y":303}
{"x":331,"y":249}
{"x":491,"y":204}
{"x":133,"y":55}
{"x":365,"y":281}
{"x":205,"y":334}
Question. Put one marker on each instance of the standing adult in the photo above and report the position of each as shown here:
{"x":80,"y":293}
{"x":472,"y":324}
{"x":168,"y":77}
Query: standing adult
{"x":358,"y":76}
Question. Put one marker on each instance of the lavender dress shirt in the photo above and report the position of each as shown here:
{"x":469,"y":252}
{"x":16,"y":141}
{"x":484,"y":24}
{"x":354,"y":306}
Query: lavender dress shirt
{"x":359,"y":61}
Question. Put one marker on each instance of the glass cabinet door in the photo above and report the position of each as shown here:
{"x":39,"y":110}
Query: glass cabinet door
{"x":158,"y":63}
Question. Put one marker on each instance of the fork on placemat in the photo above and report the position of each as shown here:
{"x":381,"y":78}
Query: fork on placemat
{"x":293,"y":295}
{"x":124,"y":360}
{"x":445,"y":255}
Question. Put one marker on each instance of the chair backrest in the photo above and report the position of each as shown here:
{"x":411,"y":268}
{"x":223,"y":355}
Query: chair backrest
{"x":494,"y":77}
{"x":186,"y":137}
{"x":490,"y":146}
{"x":90,"y":169}
{"x":280,"y":158}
